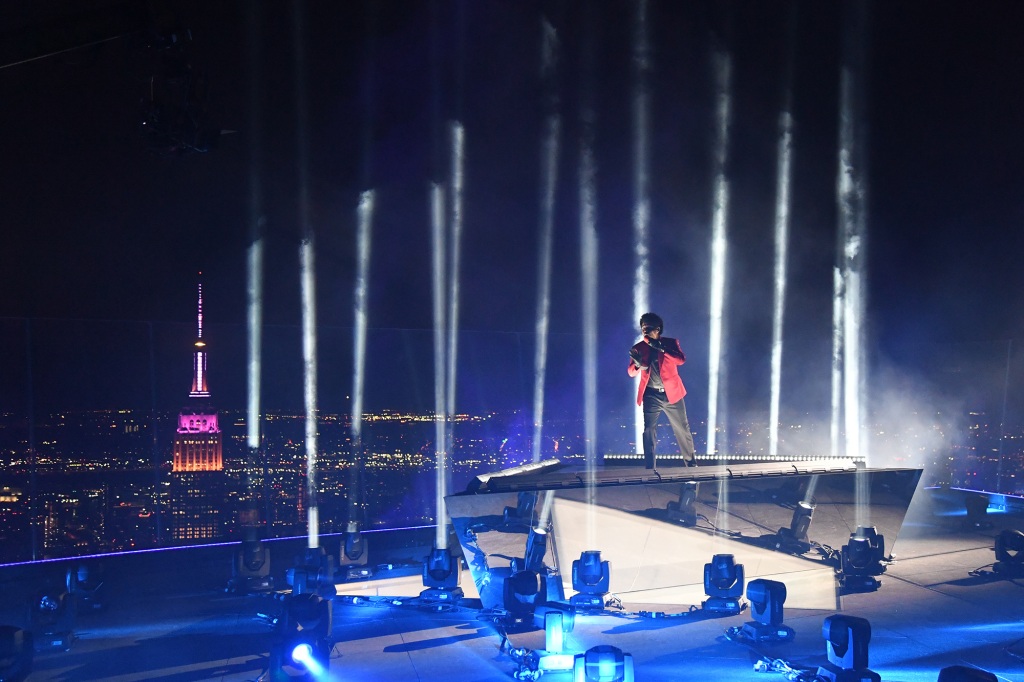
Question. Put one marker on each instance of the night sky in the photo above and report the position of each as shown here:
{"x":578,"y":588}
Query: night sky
{"x":101,"y":224}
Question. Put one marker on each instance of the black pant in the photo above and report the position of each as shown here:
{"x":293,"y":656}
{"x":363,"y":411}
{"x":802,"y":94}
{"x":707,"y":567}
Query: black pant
{"x":655,"y":403}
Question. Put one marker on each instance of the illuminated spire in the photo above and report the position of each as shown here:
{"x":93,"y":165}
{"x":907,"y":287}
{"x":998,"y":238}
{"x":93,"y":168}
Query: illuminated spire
{"x":199,"y":388}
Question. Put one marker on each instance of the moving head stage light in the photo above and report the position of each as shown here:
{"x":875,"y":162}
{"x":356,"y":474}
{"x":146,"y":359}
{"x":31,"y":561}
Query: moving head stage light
{"x":1009,"y":553}
{"x":846,"y":644}
{"x":302,"y":638}
{"x":723,"y":583}
{"x":794,"y":538}
{"x":590,"y":579}
{"x":766,"y":598}
{"x":442,"y":575}
{"x":684,"y":511}
{"x":354,"y":553}
{"x":861,"y":559}
{"x":603,"y":664}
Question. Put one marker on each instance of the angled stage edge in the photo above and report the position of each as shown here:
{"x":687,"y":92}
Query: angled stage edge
{"x":783,"y":521}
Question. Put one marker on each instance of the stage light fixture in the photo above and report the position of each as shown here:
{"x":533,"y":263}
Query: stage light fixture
{"x":683,"y":510}
{"x":794,"y":538}
{"x":846,"y":644}
{"x":52,"y":619}
{"x":603,"y":664}
{"x":1009,"y":550}
{"x":556,"y":621}
{"x":723,"y":583}
{"x":861,"y":559}
{"x":536,"y":548}
{"x":16,"y":652}
{"x":524,"y":591}
{"x":302,"y":637}
{"x":442,"y":574}
{"x":87,"y":586}
{"x":313,"y":573}
{"x":977,"y":510}
{"x":590,"y":579}
{"x":522,"y":513}
{"x":353,"y":558}
{"x":766,"y":598}
{"x":963,"y":673}
{"x":250,"y":570}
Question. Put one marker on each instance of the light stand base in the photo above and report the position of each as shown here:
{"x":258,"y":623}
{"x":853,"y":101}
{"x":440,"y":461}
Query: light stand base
{"x":728,"y":606}
{"x":836,"y":674}
{"x":762,"y":632}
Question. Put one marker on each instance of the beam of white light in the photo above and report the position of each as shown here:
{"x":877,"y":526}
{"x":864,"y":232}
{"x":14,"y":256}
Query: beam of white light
{"x":851,"y":194}
{"x":837,"y":359}
{"x":365,"y":215}
{"x":363,"y":243}
{"x":309,"y":375}
{"x":549,"y":183}
{"x":454,"y":253}
{"x":254,"y":324}
{"x":307,"y":272}
{"x":545,"y":509}
{"x":719,"y":241}
{"x":641,"y":198}
{"x":440,"y":427}
{"x":254,"y":268}
{"x":588,"y":280}
{"x":781,"y":248}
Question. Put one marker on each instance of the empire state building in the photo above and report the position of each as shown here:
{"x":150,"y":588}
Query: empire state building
{"x":197,"y":472}
{"x":198,"y":444}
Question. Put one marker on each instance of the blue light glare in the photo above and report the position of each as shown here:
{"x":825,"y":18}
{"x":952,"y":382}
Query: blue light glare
{"x":302,"y":655}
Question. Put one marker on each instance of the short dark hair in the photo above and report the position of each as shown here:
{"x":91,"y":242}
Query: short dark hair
{"x":653,"y":321}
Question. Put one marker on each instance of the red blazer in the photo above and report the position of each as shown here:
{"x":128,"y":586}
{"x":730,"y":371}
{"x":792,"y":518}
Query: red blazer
{"x":670,"y":359}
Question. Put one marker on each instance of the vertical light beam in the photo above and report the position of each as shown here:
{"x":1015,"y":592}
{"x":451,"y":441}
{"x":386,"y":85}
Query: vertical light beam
{"x":781,"y":251}
{"x":254,"y":325}
{"x":549,"y":182}
{"x":437,"y":224}
{"x":254,"y":269}
{"x":363,"y":243}
{"x":365,"y":218}
{"x":588,"y":264}
{"x":782,"y":203}
{"x":310,"y":391}
{"x":719,"y":240}
{"x":308,"y":276}
{"x":454,"y":268}
{"x":851,"y":192}
{"x":641,"y":198}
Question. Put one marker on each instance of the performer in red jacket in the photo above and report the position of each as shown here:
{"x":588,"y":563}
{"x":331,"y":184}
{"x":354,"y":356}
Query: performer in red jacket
{"x":655,"y":359}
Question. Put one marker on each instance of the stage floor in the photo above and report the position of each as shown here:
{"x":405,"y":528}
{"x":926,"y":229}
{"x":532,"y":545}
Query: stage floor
{"x":176,"y":624}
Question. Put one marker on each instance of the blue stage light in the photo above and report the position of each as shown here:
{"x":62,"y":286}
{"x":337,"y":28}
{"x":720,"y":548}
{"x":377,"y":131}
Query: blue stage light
{"x":603,"y":664}
{"x":723,"y":583}
{"x":442,"y":574}
{"x":590,"y":579}
{"x":766,"y":599}
{"x":302,"y":636}
{"x":861,"y":559}
{"x":846,"y":644}
{"x":794,"y":538}
{"x":1009,"y":552}
{"x":524,"y":591}
{"x":684,"y":510}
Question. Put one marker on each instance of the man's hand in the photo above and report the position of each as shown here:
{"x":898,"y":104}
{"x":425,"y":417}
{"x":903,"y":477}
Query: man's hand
{"x":655,"y":344}
{"x":635,"y":355}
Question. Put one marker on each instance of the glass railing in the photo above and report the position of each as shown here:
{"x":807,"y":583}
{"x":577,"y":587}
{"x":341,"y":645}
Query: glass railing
{"x":89,"y":422}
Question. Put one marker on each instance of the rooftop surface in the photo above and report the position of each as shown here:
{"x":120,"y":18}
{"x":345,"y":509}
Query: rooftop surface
{"x":168,"y":618}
